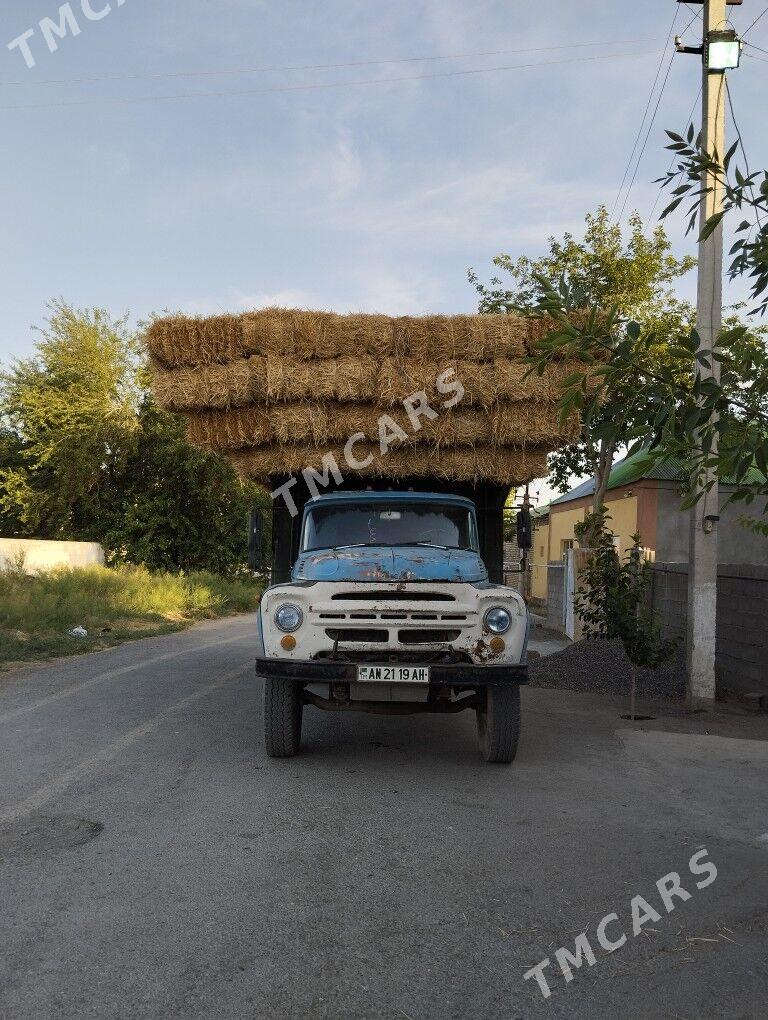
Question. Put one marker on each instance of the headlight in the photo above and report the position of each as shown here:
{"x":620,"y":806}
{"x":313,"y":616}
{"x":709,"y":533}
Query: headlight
{"x":289,"y":618}
{"x":497,"y":620}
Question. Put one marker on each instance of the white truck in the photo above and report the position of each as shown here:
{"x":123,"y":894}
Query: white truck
{"x":389,"y":608}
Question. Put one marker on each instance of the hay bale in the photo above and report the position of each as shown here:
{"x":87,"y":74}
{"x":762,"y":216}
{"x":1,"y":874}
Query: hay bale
{"x":515,"y":424}
{"x":305,"y":335}
{"x":363,"y":379}
{"x":187,"y":341}
{"x":180,"y":340}
{"x":506,"y":466}
{"x":209,"y":386}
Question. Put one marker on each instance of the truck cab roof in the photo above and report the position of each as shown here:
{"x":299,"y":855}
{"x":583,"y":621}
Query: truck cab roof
{"x":388,"y":496}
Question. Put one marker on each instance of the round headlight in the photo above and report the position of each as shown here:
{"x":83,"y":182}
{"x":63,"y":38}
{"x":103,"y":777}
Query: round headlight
{"x":497,"y":620}
{"x":289,"y":618}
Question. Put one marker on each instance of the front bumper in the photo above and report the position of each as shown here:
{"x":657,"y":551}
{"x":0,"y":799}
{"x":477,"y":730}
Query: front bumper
{"x":453,"y":675}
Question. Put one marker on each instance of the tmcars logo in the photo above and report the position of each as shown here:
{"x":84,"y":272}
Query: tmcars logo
{"x":53,"y":29}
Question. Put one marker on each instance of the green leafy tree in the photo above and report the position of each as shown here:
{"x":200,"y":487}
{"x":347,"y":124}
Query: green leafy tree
{"x":710,"y":428}
{"x":604,"y":271}
{"x":72,"y":410}
{"x":175,"y":507}
{"x":612,"y":599}
{"x":85,"y":454}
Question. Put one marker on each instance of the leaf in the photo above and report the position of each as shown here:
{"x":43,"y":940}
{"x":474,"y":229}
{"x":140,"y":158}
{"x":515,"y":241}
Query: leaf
{"x":711,"y":225}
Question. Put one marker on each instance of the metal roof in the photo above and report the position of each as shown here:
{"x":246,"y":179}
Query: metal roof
{"x":626,"y":472}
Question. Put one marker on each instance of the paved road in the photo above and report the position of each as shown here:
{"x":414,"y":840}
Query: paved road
{"x":153,"y":862}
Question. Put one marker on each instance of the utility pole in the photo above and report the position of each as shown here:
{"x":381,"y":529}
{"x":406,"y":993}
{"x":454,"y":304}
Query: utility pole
{"x":702,"y":566}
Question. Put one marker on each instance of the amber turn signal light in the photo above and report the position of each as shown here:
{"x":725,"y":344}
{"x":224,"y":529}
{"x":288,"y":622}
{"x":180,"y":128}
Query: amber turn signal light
{"x":288,"y":642}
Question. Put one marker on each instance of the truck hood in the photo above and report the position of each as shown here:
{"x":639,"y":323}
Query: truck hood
{"x":381,"y":564}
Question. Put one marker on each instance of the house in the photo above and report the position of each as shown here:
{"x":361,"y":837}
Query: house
{"x":645,"y":501}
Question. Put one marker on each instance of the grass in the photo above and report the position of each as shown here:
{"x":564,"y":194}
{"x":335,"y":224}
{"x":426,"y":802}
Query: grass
{"x":38,"y":612}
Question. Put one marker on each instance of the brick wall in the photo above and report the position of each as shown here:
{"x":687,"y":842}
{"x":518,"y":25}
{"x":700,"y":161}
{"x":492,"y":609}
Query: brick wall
{"x":742,"y":619}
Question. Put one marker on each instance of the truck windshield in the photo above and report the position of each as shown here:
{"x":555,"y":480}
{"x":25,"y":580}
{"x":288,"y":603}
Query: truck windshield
{"x":334,"y":527}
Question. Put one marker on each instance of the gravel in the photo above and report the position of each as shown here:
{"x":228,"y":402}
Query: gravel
{"x":598,"y":665}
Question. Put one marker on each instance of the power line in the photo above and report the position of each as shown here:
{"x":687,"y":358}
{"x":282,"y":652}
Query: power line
{"x":645,"y":114}
{"x":672,"y":161}
{"x":316,"y":85}
{"x":647,"y":134}
{"x":753,"y":56}
{"x":160,"y":76}
{"x":741,"y":143}
{"x":752,"y":46}
{"x":762,"y":15}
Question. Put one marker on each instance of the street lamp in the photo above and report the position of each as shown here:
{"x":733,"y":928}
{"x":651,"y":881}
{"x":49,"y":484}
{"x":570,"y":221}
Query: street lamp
{"x":723,"y":50}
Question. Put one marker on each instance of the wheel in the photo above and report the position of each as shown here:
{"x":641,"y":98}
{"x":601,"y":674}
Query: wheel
{"x":283,"y":710}
{"x":498,"y":724}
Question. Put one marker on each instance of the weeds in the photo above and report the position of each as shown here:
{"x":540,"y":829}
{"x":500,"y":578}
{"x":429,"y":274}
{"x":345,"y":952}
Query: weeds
{"x":38,"y":611}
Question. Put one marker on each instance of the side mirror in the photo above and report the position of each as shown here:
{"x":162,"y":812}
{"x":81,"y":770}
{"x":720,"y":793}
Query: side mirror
{"x":524,"y":529}
{"x":255,"y":534}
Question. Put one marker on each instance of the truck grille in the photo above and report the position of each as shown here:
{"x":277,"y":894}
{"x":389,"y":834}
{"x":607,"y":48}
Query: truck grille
{"x":426,"y":637}
{"x":382,"y":618}
{"x":393,"y":596}
{"x":360,"y":635}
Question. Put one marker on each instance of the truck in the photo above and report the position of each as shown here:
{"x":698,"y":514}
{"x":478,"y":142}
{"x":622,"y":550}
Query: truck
{"x":392,"y":601}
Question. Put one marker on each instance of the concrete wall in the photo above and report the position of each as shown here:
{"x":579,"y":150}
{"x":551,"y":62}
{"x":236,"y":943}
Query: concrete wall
{"x":555,"y":592}
{"x":737,"y":544}
{"x":40,"y":555}
{"x":538,"y":561}
{"x":742,"y":619}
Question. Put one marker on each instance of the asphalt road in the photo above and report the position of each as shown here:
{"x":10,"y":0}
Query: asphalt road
{"x":154,"y":863}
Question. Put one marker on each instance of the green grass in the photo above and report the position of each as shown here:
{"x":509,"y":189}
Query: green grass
{"x":113,"y":605}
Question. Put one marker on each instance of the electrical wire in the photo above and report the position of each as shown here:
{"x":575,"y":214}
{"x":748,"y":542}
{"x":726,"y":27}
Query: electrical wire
{"x":647,"y":135}
{"x":316,"y":85}
{"x":741,"y":144}
{"x":758,"y":18}
{"x":312,"y":67}
{"x":753,"y":56}
{"x":672,"y":161}
{"x":645,"y":114}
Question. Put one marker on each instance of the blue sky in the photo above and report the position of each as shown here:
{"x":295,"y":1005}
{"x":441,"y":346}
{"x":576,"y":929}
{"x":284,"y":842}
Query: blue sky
{"x":376,"y":197}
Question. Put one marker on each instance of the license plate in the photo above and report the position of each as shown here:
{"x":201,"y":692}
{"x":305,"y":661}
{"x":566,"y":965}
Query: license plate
{"x":393,"y":674}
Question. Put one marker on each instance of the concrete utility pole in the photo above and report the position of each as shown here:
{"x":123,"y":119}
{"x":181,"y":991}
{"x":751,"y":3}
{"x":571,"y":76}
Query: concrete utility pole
{"x":702,"y":569}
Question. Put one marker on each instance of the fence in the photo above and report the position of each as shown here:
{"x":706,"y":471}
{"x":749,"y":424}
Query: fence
{"x":741,"y":659}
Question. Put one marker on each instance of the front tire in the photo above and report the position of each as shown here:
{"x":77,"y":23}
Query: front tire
{"x":498,"y":724}
{"x":283,"y":711}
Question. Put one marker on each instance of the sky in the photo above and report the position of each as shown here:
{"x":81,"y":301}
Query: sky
{"x":305,"y":189}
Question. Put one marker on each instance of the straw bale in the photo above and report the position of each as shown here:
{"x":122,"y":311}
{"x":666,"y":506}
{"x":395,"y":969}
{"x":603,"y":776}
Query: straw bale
{"x":210,"y":386}
{"x":256,"y":379}
{"x":185,"y":340}
{"x":507,"y":466}
{"x":510,"y":424}
{"x":304,"y":335}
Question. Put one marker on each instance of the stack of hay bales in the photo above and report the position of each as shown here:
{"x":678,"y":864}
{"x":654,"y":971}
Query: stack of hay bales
{"x":276,"y":390}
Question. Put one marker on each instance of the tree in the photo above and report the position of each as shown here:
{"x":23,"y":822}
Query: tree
{"x":71,"y":409}
{"x":85,"y":454}
{"x":612,"y":603}
{"x":606,"y":273}
{"x":175,"y":507}
{"x":709,"y":428}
